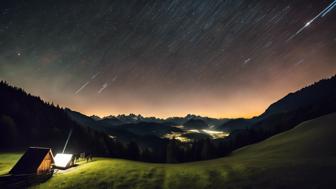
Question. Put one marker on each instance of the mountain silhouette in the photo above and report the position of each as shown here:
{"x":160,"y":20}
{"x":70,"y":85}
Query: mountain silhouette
{"x":311,"y":101}
{"x":26,"y":120}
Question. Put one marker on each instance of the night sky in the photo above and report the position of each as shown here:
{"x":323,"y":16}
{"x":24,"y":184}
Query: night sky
{"x":220,"y":58}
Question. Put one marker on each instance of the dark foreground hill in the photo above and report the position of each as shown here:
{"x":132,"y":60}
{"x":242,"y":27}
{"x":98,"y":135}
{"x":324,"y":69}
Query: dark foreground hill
{"x":308,"y":103}
{"x":303,"y":157}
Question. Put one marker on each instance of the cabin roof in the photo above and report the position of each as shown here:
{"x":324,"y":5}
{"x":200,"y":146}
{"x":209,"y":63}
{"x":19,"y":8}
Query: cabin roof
{"x":63,"y":160}
{"x":31,"y":160}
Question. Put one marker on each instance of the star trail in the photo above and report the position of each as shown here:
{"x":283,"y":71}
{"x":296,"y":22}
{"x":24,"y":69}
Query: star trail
{"x":220,"y":58}
{"x":321,"y":14}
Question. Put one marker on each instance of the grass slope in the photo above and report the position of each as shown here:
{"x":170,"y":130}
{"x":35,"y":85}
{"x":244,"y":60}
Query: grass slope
{"x":7,"y":160}
{"x":304,"y":157}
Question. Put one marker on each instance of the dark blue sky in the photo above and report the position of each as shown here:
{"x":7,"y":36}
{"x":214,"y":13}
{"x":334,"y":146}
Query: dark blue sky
{"x":225,"y":58}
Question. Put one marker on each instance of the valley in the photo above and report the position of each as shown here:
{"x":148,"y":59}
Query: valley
{"x":299,"y":157}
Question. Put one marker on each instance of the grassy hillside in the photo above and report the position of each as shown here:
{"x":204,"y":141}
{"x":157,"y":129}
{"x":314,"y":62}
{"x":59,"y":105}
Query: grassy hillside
{"x":7,"y":160}
{"x":303,"y":157}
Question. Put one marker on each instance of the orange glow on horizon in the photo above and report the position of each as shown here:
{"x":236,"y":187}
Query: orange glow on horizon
{"x":240,"y":102}
{"x":230,"y":115}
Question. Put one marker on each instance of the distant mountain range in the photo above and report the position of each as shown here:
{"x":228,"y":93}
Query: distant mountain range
{"x":132,"y":118}
{"x":26,"y":120}
{"x":136,"y":127}
{"x":123,"y":126}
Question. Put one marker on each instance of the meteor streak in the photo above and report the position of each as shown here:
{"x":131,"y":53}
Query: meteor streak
{"x":103,"y":88}
{"x":87,"y":83}
{"x":327,"y":11}
{"x":321,"y":14}
{"x":82,"y":87}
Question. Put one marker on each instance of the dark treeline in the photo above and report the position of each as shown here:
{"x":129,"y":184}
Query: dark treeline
{"x":173,"y":151}
{"x":26,"y":120}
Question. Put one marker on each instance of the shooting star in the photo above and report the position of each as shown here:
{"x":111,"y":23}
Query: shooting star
{"x":330,"y":8}
{"x":246,"y":61}
{"x":94,"y":76}
{"x":103,"y":88}
{"x":299,"y":62}
{"x":82,"y":87}
{"x":106,"y":84}
{"x":87,"y":83}
{"x":321,"y":14}
{"x":115,"y":78}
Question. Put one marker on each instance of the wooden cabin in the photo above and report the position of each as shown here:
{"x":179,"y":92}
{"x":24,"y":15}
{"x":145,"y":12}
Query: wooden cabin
{"x":35,"y":160}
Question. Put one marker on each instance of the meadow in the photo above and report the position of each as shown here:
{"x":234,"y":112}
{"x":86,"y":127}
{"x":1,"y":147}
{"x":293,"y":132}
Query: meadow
{"x":303,"y":157}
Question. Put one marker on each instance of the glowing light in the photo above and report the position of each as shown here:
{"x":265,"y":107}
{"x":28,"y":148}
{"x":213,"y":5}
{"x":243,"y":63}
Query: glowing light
{"x":216,"y":134}
{"x":180,"y":136}
{"x":194,"y":131}
{"x":179,"y":126}
{"x":307,"y":24}
{"x":62,"y":160}
{"x":112,"y":137}
{"x":183,"y":139}
{"x":177,"y":136}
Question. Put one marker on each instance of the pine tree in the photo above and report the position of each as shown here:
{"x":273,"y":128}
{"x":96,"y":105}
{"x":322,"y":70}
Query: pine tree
{"x":133,"y":151}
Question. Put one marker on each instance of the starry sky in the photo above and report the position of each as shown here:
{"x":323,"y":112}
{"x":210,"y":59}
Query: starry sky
{"x":220,"y":58}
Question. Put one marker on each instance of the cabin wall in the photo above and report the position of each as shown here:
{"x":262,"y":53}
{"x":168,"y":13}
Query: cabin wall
{"x":46,"y":165}
{"x":71,"y":163}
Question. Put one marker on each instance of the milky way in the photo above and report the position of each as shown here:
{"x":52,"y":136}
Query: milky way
{"x":221,"y":58}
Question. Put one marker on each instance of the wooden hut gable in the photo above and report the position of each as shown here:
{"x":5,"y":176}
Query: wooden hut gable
{"x":34,"y":161}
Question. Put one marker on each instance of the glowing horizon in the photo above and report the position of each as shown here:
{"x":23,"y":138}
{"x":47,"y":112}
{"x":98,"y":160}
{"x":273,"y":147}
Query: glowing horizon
{"x":219,"y":66}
